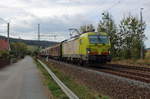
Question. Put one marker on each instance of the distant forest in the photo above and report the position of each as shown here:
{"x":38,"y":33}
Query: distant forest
{"x":43,"y":44}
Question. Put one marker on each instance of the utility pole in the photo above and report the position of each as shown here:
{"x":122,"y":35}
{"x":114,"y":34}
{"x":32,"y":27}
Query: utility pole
{"x":38,"y":32}
{"x":141,"y":19}
{"x":39,"y":36}
{"x":8,"y":30}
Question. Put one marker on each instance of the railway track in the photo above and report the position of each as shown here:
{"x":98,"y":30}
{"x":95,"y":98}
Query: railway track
{"x":132,"y":72}
{"x":136,"y":73}
{"x":130,"y":67}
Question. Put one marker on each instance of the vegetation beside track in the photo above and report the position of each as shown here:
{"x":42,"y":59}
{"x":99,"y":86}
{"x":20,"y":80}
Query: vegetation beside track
{"x":130,"y":62}
{"x":55,"y":90}
{"x":134,"y":62}
{"x":82,"y":91}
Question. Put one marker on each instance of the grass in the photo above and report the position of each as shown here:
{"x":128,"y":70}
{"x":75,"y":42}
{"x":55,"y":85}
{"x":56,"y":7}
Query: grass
{"x":82,"y":91}
{"x":147,"y":55}
{"x":31,"y":48}
{"x":137,"y":62}
{"x":56,"y":91}
{"x":131,"y":62}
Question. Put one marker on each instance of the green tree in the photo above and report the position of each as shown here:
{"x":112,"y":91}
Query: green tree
{"x":19,"y":49}
{"x":132,"y":36}
{"x":108,"y":25}
{"x":87,"y":28}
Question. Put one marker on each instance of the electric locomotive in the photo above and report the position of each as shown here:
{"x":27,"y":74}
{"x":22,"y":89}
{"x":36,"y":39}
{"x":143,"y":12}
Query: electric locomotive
{"x":90,"y":47}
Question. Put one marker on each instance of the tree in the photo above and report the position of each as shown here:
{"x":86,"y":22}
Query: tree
{"x":108,"y":25}
{"x":132,"y":36}
{"x":18,"y":49}
{"x":87,"y":28}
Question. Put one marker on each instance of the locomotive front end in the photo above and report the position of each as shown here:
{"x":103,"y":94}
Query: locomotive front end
{"x":98,"y":50}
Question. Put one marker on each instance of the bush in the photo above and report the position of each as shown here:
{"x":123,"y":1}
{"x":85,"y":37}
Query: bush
{"x":18,"y":49}
{"x":4,"y":54}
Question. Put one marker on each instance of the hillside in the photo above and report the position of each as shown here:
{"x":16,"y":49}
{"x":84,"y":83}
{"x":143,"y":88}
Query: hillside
{"x":33,"y":42}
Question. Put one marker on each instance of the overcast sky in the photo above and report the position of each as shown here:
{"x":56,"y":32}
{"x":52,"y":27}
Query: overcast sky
{"x":57,"y":16}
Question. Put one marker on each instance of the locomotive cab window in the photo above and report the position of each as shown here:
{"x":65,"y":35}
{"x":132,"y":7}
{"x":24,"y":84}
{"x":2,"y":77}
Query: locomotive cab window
{"x":98,"y":39}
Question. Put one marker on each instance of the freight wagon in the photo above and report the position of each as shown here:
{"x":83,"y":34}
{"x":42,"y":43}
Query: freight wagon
{"x":55,"y":51}
{"x":52,"y":52}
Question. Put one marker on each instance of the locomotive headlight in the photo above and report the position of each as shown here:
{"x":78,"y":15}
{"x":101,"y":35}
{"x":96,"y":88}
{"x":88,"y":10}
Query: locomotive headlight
{"x":109,"y":50}
{"x":88,"y":50}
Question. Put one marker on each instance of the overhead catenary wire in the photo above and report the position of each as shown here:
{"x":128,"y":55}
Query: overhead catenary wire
{"x":112,"y":6}
{"x":3,"y":20}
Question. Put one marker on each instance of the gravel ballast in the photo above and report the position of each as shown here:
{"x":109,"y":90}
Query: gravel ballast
{"x":110,"y":85}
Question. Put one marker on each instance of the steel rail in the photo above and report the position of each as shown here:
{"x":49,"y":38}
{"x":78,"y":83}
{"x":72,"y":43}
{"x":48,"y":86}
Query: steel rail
{"x":118,"y":71}
{"x":64,"y":88}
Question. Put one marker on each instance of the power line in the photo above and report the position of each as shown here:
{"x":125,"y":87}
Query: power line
{"x":2,"y":32}
{"x":112,"y":6}
{"x":49,"y":36}
{"x":3,"y":25}
{"x":3,"y":20}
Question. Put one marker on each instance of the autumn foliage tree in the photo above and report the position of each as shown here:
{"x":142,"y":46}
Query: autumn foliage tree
{"x":18,"y":49}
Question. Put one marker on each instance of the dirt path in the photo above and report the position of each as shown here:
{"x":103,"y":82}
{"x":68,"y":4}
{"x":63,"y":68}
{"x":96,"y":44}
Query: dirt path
{"x":21,"y":81}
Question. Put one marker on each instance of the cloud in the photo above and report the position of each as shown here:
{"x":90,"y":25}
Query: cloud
{"x":56,"y":16}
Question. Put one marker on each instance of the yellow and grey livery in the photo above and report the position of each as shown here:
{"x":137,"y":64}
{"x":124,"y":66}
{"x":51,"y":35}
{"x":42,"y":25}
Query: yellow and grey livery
{"x":88,"y":47}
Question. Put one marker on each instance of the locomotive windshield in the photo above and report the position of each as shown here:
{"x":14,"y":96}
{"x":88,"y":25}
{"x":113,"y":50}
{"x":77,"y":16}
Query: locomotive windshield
{"x":98,"y":39}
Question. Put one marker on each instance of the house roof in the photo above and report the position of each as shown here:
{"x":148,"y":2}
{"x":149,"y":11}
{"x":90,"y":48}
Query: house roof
{"x":4,"y":44}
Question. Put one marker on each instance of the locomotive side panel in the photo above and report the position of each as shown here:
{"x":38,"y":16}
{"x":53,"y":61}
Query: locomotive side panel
{"x":70,"y":48}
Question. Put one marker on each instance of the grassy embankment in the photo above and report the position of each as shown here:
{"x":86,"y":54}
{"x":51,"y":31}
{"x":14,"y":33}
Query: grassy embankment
{"x":55,"y":90}
{"x":82,"y":91}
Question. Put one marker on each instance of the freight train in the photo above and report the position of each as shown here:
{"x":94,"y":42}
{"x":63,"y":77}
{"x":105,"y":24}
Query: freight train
{"x":87,"y":48}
